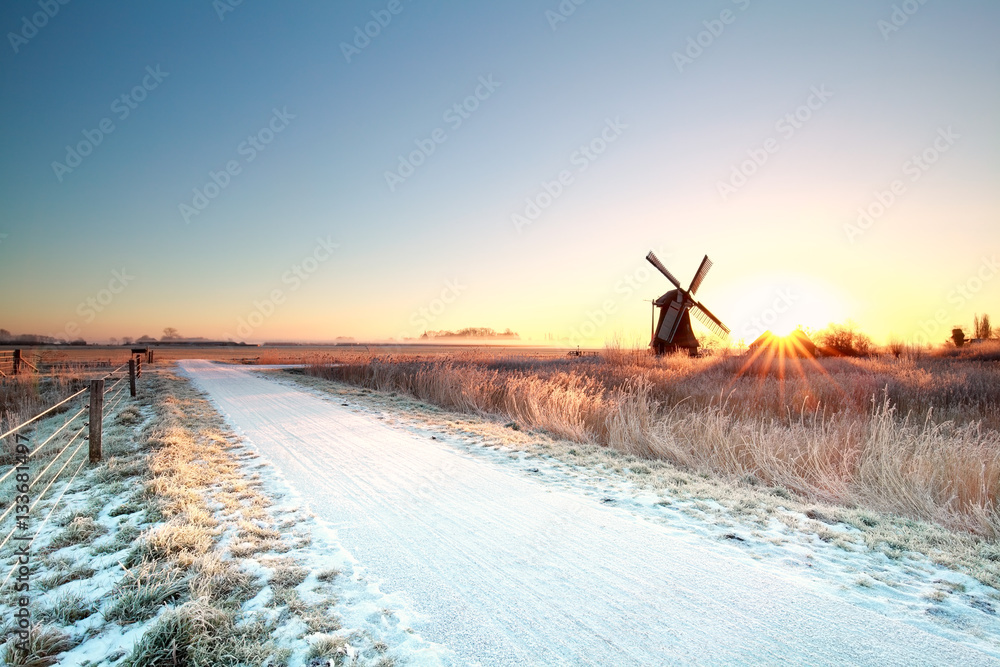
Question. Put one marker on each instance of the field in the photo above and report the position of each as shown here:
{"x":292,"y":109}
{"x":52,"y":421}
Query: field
{"x":65,"y":369}
{"x":917,"y":435}
{"x":884,"y":470}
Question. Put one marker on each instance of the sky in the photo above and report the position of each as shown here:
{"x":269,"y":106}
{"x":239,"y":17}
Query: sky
{"x":312,"y":170}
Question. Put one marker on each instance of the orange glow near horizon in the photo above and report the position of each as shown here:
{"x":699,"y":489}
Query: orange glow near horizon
{"x":775,"y":353}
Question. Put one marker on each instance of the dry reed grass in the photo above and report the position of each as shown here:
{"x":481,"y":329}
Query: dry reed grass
{"x":23,"y":396}
{"x":914,"y":436}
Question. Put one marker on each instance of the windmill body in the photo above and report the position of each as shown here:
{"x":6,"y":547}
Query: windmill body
{"x":674,"y":323}
{"x":673,"y":330}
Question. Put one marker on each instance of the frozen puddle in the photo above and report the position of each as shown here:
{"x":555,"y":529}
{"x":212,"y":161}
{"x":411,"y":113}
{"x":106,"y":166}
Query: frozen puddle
{"x":509,"y":570}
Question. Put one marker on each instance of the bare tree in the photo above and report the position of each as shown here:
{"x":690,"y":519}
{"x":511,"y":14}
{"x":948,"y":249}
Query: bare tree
{"x":981,"y":326}
{"x":171,"y":333}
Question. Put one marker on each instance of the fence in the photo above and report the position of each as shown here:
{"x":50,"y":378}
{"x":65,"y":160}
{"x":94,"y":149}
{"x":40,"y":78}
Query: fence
{"x":19,"y":487}
{"x":12,"y":363}
{"x":16,"y":362}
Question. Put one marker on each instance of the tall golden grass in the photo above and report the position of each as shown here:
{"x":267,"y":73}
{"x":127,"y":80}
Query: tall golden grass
{"x":913,"y":436}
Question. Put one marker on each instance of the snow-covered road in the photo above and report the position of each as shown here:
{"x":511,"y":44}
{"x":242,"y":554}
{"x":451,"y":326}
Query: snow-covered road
{"x":505,"y":569}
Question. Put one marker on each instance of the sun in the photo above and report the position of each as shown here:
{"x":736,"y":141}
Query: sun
{"x":784,"y":328}
{"x":781,"y":302}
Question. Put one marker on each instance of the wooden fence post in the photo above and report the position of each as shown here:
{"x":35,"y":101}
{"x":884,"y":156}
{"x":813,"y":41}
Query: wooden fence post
{"x":96,"y":418}
{"x":17,"y":361}
{"x":131,"y":377}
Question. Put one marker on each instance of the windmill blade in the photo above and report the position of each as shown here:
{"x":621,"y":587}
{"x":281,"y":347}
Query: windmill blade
{"x":651,"y":258}
{"x":713,"y":323}
{"x":699,"y":277}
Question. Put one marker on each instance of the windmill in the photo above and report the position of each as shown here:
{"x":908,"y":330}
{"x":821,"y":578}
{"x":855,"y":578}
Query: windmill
{"x":673,"y":327}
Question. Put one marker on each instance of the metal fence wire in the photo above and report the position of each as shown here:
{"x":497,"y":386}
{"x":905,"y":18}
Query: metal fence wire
{"x":61,"y":454}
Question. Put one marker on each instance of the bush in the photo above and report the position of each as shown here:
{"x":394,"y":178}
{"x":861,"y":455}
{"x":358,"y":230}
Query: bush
{"x":845,"y":340}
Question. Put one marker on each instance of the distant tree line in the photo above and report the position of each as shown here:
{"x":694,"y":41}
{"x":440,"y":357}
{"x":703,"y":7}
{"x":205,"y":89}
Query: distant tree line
{"x":471,"y":332}
{"x":36,"y":339}
{"x":6,"y":337}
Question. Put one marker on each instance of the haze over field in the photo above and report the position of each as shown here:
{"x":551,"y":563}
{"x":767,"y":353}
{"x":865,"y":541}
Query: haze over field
{"x":309,"y":170}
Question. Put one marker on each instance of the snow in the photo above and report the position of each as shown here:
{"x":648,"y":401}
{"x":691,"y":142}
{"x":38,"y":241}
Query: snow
{"x":505,"y":566}
{"x":360,"y":600}
{"x":101,"y":639}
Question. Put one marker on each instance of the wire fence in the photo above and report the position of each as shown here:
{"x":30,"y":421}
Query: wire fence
{"x":61,"y":455}
{"x":20,"y":361}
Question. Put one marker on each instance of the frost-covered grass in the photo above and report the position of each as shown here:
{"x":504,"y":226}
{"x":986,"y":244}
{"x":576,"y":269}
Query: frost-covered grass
{"x":918,"y":571}
{"x":70,"y":553}
{"x":45,"y":644}
{"x":173,"y":550}
{"x":145,"y":588}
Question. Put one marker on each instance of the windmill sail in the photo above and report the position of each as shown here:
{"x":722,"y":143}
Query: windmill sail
{"x":699,"y":277}
{"x":652,"y":259}
{"x":709,"y":320}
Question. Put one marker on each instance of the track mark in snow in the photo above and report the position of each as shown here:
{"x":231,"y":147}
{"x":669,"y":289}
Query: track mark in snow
{"x":507,"y":570}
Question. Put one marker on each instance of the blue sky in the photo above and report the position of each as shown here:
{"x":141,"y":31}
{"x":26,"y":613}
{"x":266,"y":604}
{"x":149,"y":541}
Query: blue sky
{"x":440,"y":250}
